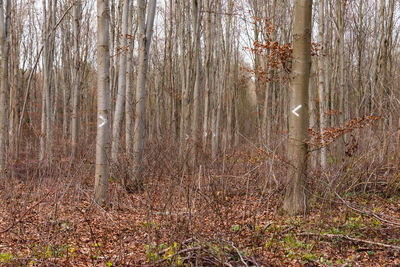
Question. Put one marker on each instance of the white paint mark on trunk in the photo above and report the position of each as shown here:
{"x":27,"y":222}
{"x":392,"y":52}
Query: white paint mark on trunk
{"x":294,"y":111}
{"x":103,"y":121}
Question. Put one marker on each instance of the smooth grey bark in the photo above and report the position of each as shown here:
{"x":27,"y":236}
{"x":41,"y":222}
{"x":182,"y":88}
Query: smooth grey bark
{"x":129,"y":86}
{"x":343,"y":107}
{"x":321,"y":81}
{"x":119,"y":106}
{"x":313,"y":155}
{"x":145,"y":33}
{"x":207,"y":74}
{"x":184,"y":75}
{"x":76,"y":81}
{"x":4,"y":88}
{"x":66,"y":90}
{"x":218,"y":80}
{"x":228,"y":79}
{"x":295,"y":198}
{"x":196,"y":5}
{"x":103,"y":140}
{"x":46,"y":134}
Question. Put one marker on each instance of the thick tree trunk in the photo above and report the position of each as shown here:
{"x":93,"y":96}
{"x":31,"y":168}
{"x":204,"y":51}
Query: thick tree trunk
{"x":295,"y":198}
{"x":103,"y":104}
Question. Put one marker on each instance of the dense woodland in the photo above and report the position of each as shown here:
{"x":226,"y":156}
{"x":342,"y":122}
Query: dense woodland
{"x":199,"y":132}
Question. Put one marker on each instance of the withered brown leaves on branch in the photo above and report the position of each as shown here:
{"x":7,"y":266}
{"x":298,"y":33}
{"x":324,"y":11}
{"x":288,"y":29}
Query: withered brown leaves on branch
{"x":277,"y":56}
{"x":330,"y":134}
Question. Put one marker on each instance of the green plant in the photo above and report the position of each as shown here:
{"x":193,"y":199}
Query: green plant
{"x":309,"y":257}
{"x":236,"y":228}
{"x":151,"y":253}
{"x":6,"y":257}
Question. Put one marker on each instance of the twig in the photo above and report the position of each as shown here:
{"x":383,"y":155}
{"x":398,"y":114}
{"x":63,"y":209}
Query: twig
{"x":240,"y":255}
{"x":24,"y":214}
{"x":178,"y":253}
{"x":352,"y":239}
{"x":366,"y":212}
{"x":31,"y":75}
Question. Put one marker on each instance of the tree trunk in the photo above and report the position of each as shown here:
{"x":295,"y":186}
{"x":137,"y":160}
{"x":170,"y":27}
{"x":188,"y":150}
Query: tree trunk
{"x":45,"y":56}
{"x":145,"y":33}
{"x":321,"y":80}
{"x":4,"y":46}
{"x":119,"y":106}
{"x":207,"y":75}
{"x":129,"y":87}
{"x":76,"y":82}
{"x":103,"y":104}
{"x":295,"y":198}
{"x":342,"y":85}
{"x":196,"y":93}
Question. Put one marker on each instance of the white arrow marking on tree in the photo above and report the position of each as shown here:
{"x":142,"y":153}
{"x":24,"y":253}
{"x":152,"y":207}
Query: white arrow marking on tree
{"x":296,"y":109}
{"x":104,"y":121}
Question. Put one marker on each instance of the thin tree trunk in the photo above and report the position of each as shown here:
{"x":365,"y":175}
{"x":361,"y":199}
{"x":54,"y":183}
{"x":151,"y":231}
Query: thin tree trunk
{"x":129,"y":87}
{"x":45,"y":138}
{"x":184,"y":89}
{"x":196,"y":5}
{"x":145,"y":33}
{"x":4,"y":46}
{"x":76,"y":82}
{"x":207,"y":75}
{"x":228,"y":79}
{"x":321,"y":81}
{"x":312,"y":117}
{"x":119,"y":106}
{"x":342,"y":86}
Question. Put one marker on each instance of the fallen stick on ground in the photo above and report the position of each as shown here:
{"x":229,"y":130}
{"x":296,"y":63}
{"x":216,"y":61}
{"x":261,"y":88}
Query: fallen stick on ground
{"x":23,"y":215}
{"x":351,"y":239}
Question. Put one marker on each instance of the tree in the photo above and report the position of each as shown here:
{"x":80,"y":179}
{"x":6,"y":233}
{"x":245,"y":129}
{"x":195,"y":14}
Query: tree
{"x":295,"y":197}
{"x":196,"y":5}
{"x":45,"y":138}
{"x":129,"y":86}
{"x":321,"y":80}
{"x":76,"y":81}
{"x":119,"y":106}
{"x":4,"y":47}
{"x":145,"y":24}
{"x":103,"y":104}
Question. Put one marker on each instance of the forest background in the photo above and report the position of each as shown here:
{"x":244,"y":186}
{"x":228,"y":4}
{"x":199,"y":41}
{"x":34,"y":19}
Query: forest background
{"x":190,"y":102}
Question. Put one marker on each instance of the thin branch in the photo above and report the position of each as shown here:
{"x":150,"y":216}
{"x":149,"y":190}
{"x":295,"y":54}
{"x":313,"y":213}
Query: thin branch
{"x":370,"y":213}
{"x":24,"y":214}
{"x":31,"y":75}
{"x":357,"y":240}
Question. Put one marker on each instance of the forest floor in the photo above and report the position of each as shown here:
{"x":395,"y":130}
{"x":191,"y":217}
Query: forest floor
{"x":55,"y":223}
{"x":48,"y":218}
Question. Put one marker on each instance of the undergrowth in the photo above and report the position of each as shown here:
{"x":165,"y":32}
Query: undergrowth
{"x":225,"y":212}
